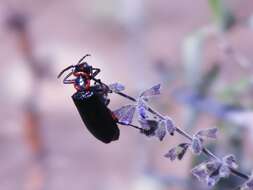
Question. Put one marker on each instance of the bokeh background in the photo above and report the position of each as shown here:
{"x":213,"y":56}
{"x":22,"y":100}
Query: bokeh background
{"x":200,"y":51}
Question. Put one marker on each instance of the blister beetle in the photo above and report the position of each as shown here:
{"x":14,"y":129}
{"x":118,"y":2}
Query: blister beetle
{"x":91,"y":101}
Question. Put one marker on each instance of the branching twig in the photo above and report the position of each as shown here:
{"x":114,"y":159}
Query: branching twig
{"x":226,"y":162}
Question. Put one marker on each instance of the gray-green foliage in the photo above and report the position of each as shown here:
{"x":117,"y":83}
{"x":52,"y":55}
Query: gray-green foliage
{"x":222,"y":14}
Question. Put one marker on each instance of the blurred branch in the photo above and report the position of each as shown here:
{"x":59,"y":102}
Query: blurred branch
{"x":192,"y":57}
{"x":18,"y":23}
{"x":233,"y":55}
{"x":225,"y":20}
{"x":197,"y":146}
{"x":222,"y":14}
{"x":207,"y":80}
{"x":193,"y":60}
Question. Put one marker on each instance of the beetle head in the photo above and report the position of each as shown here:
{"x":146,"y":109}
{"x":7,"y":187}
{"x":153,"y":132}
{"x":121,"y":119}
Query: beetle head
{"x":79,"y":67}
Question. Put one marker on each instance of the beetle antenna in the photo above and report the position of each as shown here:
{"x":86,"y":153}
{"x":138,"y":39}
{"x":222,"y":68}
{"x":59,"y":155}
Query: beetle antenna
{"x":80,"y":61}
{"x":64,"y":70}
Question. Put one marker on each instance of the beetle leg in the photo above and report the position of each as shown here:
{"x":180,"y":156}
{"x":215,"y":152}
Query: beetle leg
{"x":96,"y":71}
{"x":131,"y":125}
{"x":64,"y":70}
{"x":68,"y":81}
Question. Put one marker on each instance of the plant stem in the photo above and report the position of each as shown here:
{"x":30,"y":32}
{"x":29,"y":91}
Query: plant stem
{"x":206,"y":151}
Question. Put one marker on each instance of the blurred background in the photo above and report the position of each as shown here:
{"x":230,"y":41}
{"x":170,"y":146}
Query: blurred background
{"x":200,"y":51}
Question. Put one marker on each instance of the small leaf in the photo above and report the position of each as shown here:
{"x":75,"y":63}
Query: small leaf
{"x":144,"y":124}
{"x":116,"y":87}
{"x":230,"y":161}
{"x":224,"y":171}
{"x":169,"y":124}
{"x":184,"y":147}
{"x":212,"y":165}
{"x":212,"y":180}
{"x":142,"y":110}
{"x":208,"y":172}
{"x":160,"y":132}
{"x":155,"y":90}
{"x":172,"y":154}
{"x":149,"y":127}
{"x":177,"y":152}
{"x":200,"y":171}
{"x":125,"y":114}
{"x":196,"y":145}
{"x":208,"y":133}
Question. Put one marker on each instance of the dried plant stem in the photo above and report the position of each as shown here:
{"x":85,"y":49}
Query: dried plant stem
{"x":207,"y":152}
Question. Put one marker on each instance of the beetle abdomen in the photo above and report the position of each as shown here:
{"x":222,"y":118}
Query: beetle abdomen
{"x":96,"y":116}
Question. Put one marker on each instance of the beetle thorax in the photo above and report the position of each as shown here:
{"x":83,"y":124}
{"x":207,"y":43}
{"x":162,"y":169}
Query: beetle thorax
{"x":81,"y":83}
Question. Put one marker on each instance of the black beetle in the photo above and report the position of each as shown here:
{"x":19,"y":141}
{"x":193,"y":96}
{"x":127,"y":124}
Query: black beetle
{"x":91,"y":101}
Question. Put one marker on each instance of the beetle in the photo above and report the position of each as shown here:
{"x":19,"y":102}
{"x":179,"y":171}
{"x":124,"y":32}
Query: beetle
{"x":91,"y":101}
